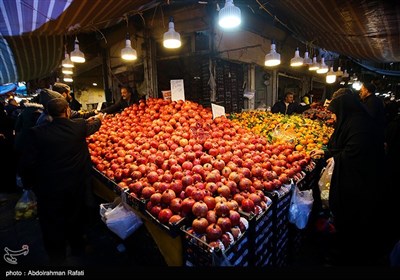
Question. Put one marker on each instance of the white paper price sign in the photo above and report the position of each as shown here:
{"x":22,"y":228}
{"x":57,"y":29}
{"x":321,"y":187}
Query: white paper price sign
{"x":217,"y":110}
{"x":177,"y":90}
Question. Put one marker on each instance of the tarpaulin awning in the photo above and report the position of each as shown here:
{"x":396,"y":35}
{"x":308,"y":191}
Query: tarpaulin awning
{"x":32,"y":32}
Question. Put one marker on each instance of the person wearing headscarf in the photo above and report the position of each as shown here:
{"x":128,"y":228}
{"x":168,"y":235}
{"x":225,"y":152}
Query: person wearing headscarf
{"x":356,"y":196}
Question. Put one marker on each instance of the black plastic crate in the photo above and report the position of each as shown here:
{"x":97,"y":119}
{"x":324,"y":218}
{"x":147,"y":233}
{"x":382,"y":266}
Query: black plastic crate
{"x":280,"y":240}
{"x":261,"y":237}
{"x":107,"y":181}
{"x":135,"y":202}
{"x":198,"y":253}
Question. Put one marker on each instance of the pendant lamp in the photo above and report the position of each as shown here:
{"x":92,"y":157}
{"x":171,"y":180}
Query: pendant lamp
{"x":229,"y":16}
{"x":76,"y":55}
{"x":172,"y":39}
{"x":272,"y":58}
{"x":128,"y":53}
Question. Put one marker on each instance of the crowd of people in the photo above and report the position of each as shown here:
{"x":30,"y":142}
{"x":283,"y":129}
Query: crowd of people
{"x":45,"y":145}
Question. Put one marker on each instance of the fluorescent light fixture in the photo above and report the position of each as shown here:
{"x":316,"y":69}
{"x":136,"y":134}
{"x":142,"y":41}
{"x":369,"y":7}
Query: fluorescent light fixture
{"x":67,"y":63}
{"x":323,"y":68}
{"x":128,"y":53}
{"x":331,"y":76}
{"x":229,"y":16}
{"x":307,"y":59}
{"x":172,"y":39}
{"x":339,"y":72}
{"x":68,"y":79}
{"x":67,"y":71}
{"x":296,"y":60}
{"x":76,"y":55}
{"x":314,"y":65}
{"x":272,"y":58}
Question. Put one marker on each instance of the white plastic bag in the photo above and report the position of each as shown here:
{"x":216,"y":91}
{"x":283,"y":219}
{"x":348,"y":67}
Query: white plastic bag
{"x":119,"y":219}
{"x":324,"y":182}
{"x":300,"y":207}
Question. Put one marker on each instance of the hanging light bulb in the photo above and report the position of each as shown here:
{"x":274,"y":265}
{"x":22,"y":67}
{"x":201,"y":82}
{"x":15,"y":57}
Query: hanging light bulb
{"x":296,"y":60}
{"x":128,"y":53}
{"x":229,"y":16}
{"x":323,"y":68}
{"x":314,"y":65}
{"x":67,"y":63}
{"x":339,"y":72}
{"x":307,"y":59}
{"x":68,"y":79}
{"x":357,"y":85}
{"x":345,"y":74}
{"x":272,"y":58}
{"x":331,"y":76}
{"x":67,"y":71}
{"x":76,"y":55}
{"x":172,"y":39}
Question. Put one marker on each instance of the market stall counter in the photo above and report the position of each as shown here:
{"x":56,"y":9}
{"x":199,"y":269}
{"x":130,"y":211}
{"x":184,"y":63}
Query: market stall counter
{"x":169,"y":245}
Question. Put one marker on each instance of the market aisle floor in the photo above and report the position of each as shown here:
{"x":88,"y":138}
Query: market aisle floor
{"x":103,"y":247}
{"x":141,"y":254}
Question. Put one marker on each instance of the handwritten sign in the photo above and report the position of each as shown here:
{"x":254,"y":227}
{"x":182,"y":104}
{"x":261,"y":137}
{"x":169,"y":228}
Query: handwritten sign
{"x":177,"y":90}
{"x":217,"y":110}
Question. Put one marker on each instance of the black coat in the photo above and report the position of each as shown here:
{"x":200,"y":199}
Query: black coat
{"x":58,"y":155}
{"x":121,"y":104}
{"x":280,"y":107}
{"x":59,"y":158}
{"x":357,"y":187}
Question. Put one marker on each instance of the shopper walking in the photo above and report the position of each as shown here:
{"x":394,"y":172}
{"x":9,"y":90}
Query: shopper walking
{"x":60,"y":158}
{"x":356,"y":190}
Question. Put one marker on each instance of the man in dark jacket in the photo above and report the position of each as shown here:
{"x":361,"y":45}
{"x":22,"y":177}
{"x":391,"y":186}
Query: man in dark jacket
{"x":59,"y":90}
{"x":287,"y":106}
{"x":129,"y":97}
{"x":59,"y":155}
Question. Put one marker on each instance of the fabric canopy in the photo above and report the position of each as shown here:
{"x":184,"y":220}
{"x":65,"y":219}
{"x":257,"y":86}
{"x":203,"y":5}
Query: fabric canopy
{"x":32,"y":31}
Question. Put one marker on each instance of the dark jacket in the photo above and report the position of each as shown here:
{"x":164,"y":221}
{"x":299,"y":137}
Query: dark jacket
{"x":25,"y":121}
{"x":59,"y":161}
{"x":121,"y":104}
{"x":59,"y":155}
{"x":280,"y":107}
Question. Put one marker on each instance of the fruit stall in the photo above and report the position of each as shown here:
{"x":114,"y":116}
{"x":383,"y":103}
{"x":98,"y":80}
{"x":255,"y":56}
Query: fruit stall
{"x":211,"y":191}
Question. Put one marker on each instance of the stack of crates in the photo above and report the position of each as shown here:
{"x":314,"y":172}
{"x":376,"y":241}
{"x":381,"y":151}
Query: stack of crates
{"x":198,"y":253}
{"x":261,"y":237}
{"x":280,"y":205}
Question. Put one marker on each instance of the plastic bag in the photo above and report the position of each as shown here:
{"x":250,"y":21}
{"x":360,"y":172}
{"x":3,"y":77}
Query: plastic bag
{"x":119,"y":219}
{"x":300,"y":207}
{"x":26,"y":206}
{"x":324,"y":182}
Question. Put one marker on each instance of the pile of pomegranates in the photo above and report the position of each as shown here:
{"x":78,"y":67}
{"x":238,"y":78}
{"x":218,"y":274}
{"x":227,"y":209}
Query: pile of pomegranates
{"x":184,"y":163}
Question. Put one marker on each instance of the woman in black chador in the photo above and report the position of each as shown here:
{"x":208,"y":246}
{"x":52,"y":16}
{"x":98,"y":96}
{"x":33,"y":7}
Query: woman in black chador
{"x":357,"y":189}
